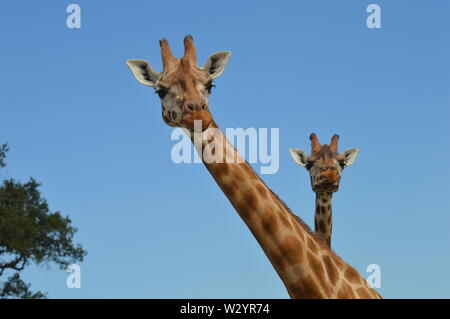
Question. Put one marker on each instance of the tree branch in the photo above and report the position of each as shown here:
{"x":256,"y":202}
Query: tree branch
{"x":13,"y":265}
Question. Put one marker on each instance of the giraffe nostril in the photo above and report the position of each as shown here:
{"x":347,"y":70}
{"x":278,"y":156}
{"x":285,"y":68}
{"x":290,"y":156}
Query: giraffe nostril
{"x":195,"y":106}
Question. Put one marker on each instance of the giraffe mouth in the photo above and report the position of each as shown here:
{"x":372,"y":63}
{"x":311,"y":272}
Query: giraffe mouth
{"x":197,"y":120}
{"x":326,"y":187}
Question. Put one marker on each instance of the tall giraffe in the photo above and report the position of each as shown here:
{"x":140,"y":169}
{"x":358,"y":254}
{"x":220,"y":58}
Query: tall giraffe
{"x":307,"y":268}
{"x":325,"y":166}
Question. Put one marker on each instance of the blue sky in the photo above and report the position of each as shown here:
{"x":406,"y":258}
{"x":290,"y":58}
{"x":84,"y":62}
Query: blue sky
{"x":77,"y":121}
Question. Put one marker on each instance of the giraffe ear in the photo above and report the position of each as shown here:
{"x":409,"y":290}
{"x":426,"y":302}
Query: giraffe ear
{"x":349,"y":156}
{"x":143,"y":72}
{"x":299,"y":156}
{"x":216,"y":63}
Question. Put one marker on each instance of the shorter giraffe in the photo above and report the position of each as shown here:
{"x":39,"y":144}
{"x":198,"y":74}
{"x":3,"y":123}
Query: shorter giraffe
{"x":325,"y":166}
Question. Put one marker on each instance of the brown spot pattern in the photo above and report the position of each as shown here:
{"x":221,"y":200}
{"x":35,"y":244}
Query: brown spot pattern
{"x":220,"y":169}
{"x":269,"y":221}
{"x":290,"y":249}
{"x":260,"y":189}
{"x":305,"y":288}
{"x":338,"y":261}
{"x":248,"y":204}
{"x":285,"y":220}
{"x":345,"y":292}
{"x":312,"y":245}
{"x":330,"y":269}
{"x":229,"y":189}
{"x":363,"y":293}
{"x":317,"y":268}
{"x":322,"y":226}
{"x":277,"y":259}
{"x":352,"y":275}
{"x":240,"y":175}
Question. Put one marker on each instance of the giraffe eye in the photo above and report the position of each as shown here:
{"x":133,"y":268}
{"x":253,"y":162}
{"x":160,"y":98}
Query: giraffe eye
{"x":342,"y":164}
{"x":162,"y":92}
{"x":309,"y":165}
{"x":209,"y":87}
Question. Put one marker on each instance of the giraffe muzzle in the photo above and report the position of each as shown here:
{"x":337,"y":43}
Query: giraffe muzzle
{"x":330,"y":176}
{"x":328,"y":181}
{"x":197,"y":120}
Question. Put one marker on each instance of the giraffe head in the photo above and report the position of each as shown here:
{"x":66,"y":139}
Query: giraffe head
{"x":325,"y":164}
{"x":182,"y":86}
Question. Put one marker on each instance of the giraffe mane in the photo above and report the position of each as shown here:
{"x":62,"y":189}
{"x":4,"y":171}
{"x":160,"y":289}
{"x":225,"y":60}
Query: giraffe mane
{"x":297,"y":218}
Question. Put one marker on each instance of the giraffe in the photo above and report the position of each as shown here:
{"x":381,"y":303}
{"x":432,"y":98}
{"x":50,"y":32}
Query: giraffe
{"x":307,"y":268}
{"x":325,"y":166}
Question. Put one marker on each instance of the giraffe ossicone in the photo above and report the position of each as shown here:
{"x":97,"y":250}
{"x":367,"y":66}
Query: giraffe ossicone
{"x":325,"y":166}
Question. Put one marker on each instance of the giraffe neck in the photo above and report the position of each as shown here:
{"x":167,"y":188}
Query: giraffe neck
{"x":307,"y":268}
{"x":323,"y":220}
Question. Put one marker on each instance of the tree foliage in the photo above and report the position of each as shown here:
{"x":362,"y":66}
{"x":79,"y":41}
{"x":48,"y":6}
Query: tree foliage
{"x":31,"y":233}
{"x":15,"y":287}
{"x":3,"y":150}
